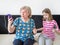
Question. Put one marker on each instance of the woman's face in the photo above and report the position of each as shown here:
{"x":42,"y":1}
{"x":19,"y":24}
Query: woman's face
{"x":24,"y":13}
{"x":45,"y":15}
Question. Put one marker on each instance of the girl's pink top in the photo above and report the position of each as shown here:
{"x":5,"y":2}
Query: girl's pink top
{"x":48,"y":27}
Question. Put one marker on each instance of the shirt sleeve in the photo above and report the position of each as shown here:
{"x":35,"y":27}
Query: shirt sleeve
{"x":33,"y":23}
{"x":56,"y":25}
{"x":15,"y":22}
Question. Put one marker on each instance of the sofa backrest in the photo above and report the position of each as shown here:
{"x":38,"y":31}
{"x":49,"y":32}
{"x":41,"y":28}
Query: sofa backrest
{"x":37,"y":19}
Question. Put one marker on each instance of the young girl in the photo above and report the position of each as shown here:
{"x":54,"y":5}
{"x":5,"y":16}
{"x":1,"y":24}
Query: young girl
{"x":24,"y":26}
{"x":47,"y":36}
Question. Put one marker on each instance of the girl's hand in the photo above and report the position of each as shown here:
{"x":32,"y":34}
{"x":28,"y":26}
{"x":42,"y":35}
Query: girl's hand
{"x":58,"y":32}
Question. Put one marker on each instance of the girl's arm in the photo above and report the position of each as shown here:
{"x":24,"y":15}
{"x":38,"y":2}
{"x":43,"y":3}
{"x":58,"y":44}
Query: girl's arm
{"x":57,"y":30}
{"x":35,"y":30}
{"x":40,"y":29}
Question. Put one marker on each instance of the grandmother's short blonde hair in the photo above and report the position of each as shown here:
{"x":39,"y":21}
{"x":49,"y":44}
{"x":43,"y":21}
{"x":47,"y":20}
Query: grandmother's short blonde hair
{"x":28,"y":9}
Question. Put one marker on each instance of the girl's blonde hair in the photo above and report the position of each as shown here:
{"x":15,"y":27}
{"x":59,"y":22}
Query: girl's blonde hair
{"x":47,"y":10}
{"x":28,"y":9}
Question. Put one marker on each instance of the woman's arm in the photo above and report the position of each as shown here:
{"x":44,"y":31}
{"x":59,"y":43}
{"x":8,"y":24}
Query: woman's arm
{"x":34,"y":30}
{"x":11,"y":27}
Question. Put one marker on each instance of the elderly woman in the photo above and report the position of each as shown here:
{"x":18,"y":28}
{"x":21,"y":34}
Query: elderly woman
{"x":24,"y":27}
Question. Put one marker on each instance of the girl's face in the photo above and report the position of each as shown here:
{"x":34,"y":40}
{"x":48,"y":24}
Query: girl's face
{"x":24,"y":13}
{"x":45,"y":15}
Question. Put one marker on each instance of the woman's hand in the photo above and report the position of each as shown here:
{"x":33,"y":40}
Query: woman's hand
{"x":11,"y":27}
{"x":34,"y":30}
{"x":10,"y":21}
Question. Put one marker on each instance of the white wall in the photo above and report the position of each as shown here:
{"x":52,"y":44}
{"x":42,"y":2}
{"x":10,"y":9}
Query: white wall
{"x":13,"y":6}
